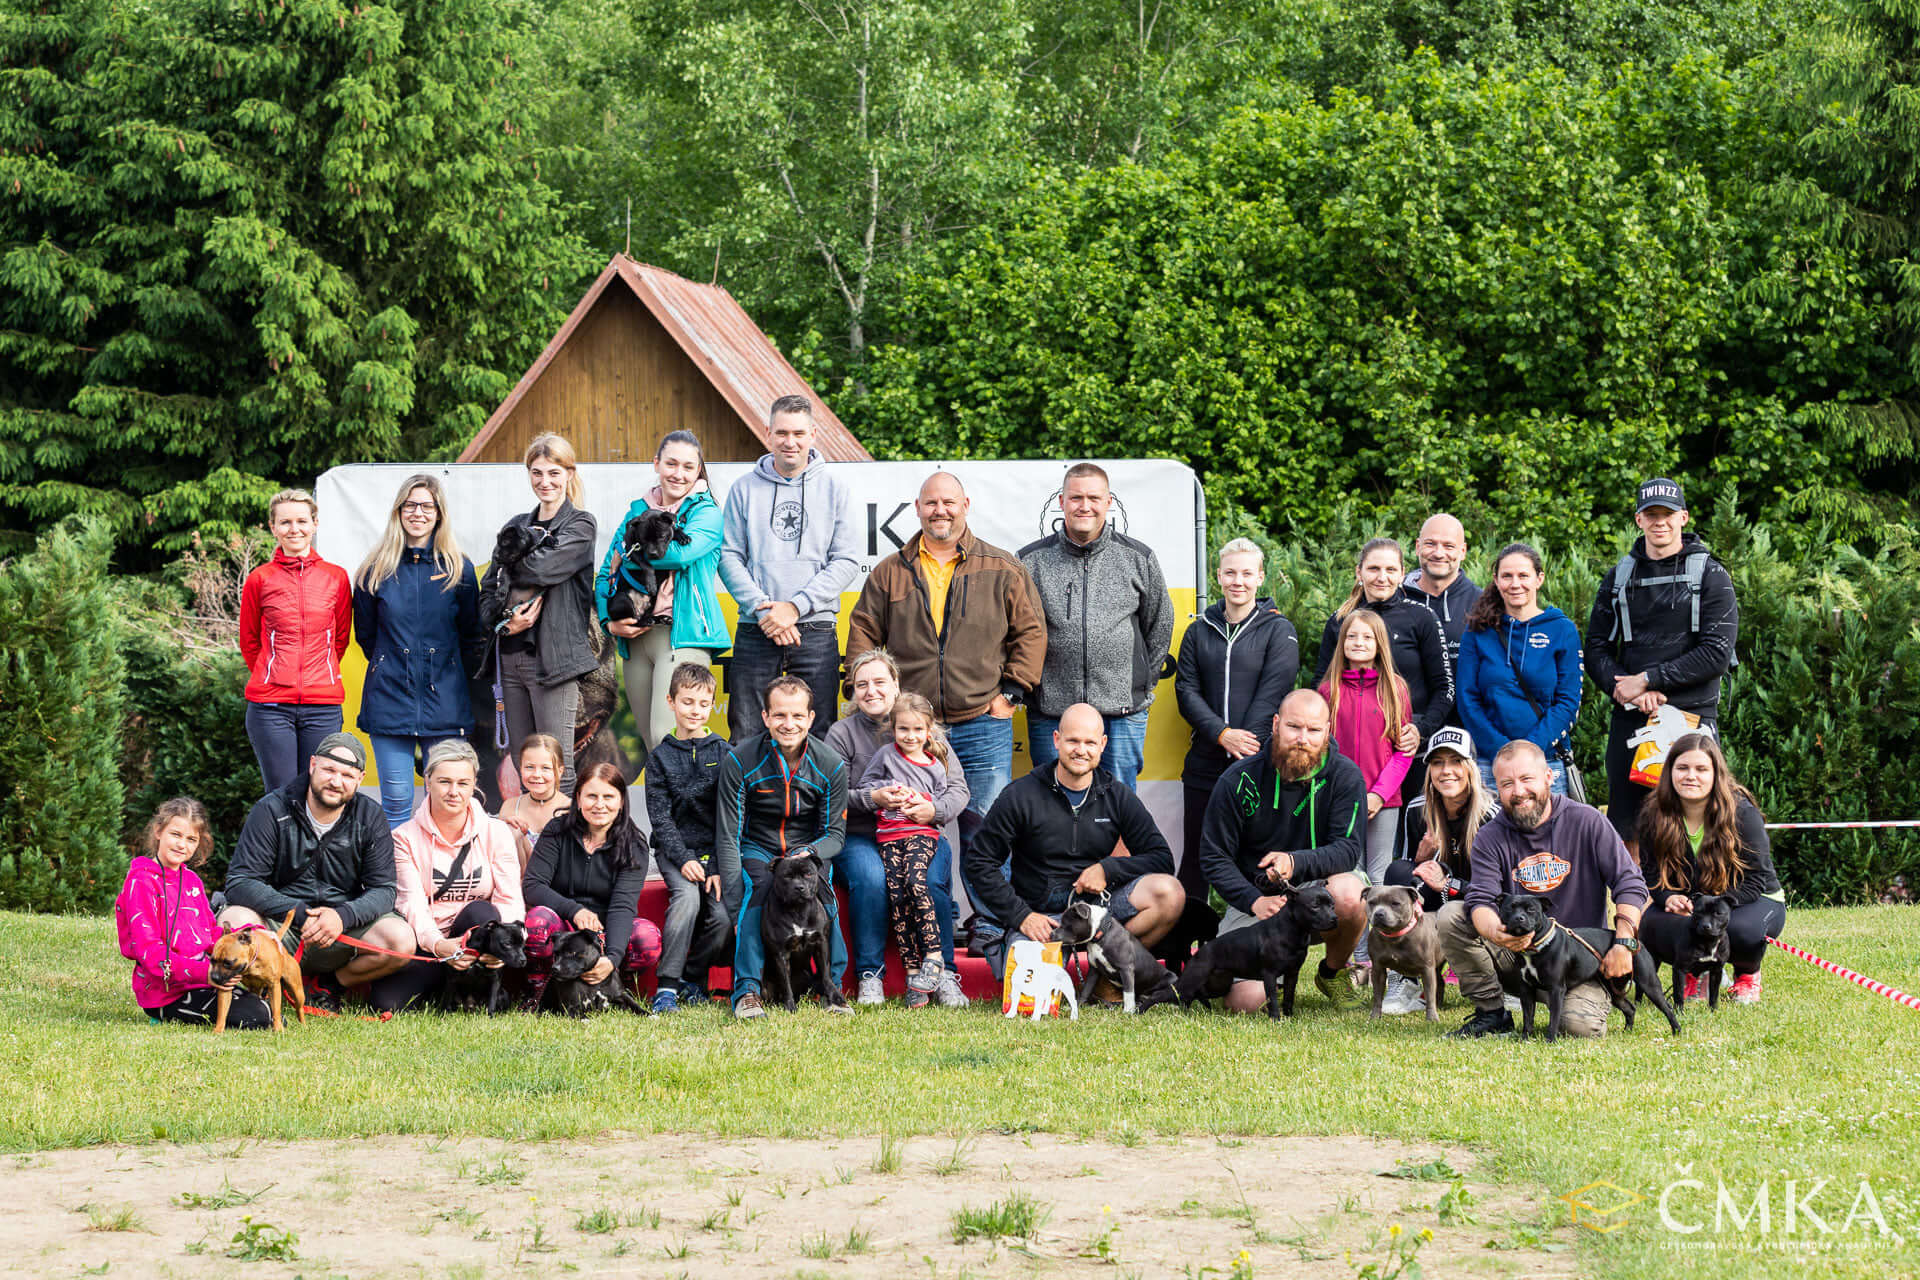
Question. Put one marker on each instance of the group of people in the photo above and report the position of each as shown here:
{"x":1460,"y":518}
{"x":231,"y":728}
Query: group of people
{"x":1430,"y":747}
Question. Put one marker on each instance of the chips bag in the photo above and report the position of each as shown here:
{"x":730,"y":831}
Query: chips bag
{"x":1035,"y":972}
{"x":1651,"y":744}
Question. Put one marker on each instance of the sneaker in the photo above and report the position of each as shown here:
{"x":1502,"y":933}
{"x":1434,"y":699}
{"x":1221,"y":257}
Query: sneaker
{"x":748,"y":1006}
{"x":1693,"y":987}
{"x":837,"y":1003}
{"x":1360,"y":974}
{"x":1746,"y":988}
{"x":1452,"y":977}
{"x":1484,"y":1022}
{"x":666,"y":1000}
{"x":1403,"y":996}
{"x":1337,"y":989}
{"x":324,"y":998}
{"x":872,"y":990}
{"x":926,"y":981}
{"x":948,"y":994}
{"x":1511,"y":1001}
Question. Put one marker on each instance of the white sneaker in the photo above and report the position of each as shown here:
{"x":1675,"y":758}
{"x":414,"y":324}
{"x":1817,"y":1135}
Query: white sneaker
{"x":948,"y":994}
{"x":1403,"y":996}
{"x":871,"y":990}
{"x":1511,"y":1001}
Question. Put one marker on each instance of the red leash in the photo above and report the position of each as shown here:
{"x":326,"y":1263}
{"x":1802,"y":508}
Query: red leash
{"x":385,"y":1015}
{"x":1878,"y":988}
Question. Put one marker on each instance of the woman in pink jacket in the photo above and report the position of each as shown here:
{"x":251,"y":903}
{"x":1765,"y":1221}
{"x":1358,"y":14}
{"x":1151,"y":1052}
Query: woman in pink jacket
{"x":1370,"y":707}
{"x":456,"y":868}
{"x":166,"y":927}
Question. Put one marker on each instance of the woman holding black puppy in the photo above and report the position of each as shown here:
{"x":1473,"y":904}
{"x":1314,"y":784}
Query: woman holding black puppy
{"x":687,"y":625}
{"x":544,"y":644}
{"x":1701,"y":832}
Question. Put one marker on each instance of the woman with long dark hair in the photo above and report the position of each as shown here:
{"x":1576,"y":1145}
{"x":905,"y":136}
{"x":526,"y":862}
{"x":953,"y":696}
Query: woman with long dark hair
{"x":1701,"y":833}
{"x":586,"y":872}
{"x":1520,"y":673}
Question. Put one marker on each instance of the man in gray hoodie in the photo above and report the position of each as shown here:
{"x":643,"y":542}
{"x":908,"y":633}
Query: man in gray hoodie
{"x":1109,"y":623}
{"x":787,"y":552}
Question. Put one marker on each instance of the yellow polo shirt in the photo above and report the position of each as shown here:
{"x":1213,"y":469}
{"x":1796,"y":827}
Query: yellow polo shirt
{"x":938,"y":578}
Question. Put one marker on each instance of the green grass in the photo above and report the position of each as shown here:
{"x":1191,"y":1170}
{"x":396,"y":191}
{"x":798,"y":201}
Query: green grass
{"x":1820,"y":1080}
{"x":1015,"y":1218}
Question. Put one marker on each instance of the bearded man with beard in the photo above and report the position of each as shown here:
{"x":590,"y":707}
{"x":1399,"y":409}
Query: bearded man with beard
{"x":1292,"y":813}
{"x":1540,"y":843}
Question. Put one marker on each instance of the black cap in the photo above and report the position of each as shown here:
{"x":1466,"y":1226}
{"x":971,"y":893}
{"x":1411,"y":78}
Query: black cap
{"x":1661,"y":492}
{"x":342,"y":748}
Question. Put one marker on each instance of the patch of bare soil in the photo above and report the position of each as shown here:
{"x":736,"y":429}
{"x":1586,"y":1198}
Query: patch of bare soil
{"x":672,"y":1205}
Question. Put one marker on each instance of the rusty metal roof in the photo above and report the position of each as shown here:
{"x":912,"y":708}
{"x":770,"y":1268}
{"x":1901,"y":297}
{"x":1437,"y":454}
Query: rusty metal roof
{"x":718,"y":336}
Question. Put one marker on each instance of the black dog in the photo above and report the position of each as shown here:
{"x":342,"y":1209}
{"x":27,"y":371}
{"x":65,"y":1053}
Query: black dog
{"x":793,"y":930}
{"x":645,"y":539}
{"x":512,"y":546}
{"x":1115,"y":954}
{"x":1705,"y":949}
{"x":1561,"y":958}
{"x":1271,"y":950}
{"x":480,"y":986}
{"x":569,"y":991}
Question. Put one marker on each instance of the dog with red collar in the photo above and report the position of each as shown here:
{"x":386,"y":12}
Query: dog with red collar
{"x":1404,"y":940}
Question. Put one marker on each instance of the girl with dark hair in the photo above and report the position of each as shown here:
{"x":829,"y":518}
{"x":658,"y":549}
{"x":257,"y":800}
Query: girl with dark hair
{"x":1520,"y":672}
{"x":1701,"y":833}
{"x":586,"y":872}
{"x":687,"y":624}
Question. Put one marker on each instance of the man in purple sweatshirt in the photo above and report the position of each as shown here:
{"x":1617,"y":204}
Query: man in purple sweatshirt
{"x":1540,"y":843}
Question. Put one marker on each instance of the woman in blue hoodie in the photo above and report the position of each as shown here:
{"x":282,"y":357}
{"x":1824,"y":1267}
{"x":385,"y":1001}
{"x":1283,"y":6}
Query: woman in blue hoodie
{"x":688,"y":626}
{"x":1520,"y":668}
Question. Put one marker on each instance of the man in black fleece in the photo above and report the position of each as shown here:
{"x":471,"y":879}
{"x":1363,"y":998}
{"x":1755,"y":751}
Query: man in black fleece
{"x":1060,"y":830}
{"x":1295,"y":812}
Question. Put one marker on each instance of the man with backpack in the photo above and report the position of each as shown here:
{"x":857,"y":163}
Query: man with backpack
{"x":1662,"y":631}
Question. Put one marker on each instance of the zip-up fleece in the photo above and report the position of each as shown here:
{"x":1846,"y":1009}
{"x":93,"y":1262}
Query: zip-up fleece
{"x":1449,"y":608}
{"x":1546,"y":649}
{"x":1235,"y":683}
{"x":563,"y":566}
{"x":1359,"y":732}
{"x":279,"y":864}
{"x":683,"y":780}
{"x":492,"y":853}
{"x":695,"y":564}
{"x":1419,"y":657}
{"x":1050,"y":844}
{"x":857,"y":737}
{"x":166,"y":928}
{"x":1320,"y":820}
{"x":992,"y":639}
{"x":421,"y":639}
{"x":1686,"y":667}
{"x":1109,"y":622}
{"x":563,"y":877}
{"x":782,"y":808}
{"x":295,"y":617}
{"x":789,"y":540}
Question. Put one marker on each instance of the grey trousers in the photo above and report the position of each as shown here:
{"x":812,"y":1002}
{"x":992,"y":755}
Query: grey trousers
{"x":535,"y":708}
{"x":698,"y":934}
{"x":1478,"y":964}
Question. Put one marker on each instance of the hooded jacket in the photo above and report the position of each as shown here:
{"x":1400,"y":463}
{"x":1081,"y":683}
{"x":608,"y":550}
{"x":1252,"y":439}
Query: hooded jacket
{"x":563,"y":638}
{"x":1109,"y":622}
{"x":1575,"y":855}
{"x":1449,"y":608}
{"x":563,"y":877}
{"x":1050,"y":843}
{"x":1319,"y":819}
{"x":1419,"y":657}
{"x":295,"y":616}
{"x":485,"y":848}
{"x":1359,"y":733}
{"x":421,"y":639}
{"x":683,"y":779}
{"x":789,"y":540}
{"x":1493,"y":699}
{"x":281,"y":864}
{"x":1232,"y":678}
{"x":992,"y":638}
{"x":858,"y":737}
{"x":695,"y":564}
{"x":1686,"y":667}
{"x":778,"y":806}
{"x":166,"y":928}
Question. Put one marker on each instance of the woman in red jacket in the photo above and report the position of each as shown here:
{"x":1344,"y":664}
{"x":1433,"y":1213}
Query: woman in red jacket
{"x":296,"y":613}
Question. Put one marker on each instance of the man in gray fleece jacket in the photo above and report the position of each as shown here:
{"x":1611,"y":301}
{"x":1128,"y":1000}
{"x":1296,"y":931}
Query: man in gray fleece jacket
{"x":1109,"y":625}
{"x":787,"y":552}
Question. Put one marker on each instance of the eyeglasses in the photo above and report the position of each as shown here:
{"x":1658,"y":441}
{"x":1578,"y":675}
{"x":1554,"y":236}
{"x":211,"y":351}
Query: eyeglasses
{"x":418,"y":508}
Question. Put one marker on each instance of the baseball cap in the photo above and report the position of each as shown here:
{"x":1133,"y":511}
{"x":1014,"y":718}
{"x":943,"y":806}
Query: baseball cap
{"x":1661,"y":492}
{"x":342,"y":748}
{"x":1451,"y":738}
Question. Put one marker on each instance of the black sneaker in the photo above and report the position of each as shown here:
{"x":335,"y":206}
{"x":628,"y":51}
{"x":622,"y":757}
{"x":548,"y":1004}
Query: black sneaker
{"x":325,"y":999}
{"x":1484,"y":1022}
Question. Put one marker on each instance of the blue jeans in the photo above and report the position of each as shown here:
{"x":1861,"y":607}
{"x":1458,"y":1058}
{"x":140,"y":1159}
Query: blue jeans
{"x":1558,"y":770}
{"x":866,"y":881}
{"x":749,"y":953}
{"x":285,"y":735}
{"x":1126,"y":745}
{"x":397,"y":760}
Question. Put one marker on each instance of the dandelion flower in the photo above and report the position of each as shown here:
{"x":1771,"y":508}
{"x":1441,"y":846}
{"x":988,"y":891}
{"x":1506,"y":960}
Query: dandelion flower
{"x":1394,"y":1231}
{"x":1426,"y":1234}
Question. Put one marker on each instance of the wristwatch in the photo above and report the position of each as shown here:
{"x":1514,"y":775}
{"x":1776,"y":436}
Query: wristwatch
{"x":1631,"y":944}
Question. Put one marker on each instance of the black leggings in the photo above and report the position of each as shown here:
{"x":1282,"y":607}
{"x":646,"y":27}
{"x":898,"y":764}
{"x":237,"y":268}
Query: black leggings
{"x":412,"y":986}
{"x":1193,"y":815}
{"x":248,"y":1012}
{"x":1665,"y":932}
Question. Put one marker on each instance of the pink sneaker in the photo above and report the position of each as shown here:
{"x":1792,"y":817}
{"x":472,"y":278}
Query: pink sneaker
{"x":1693,"y":986}
{"x":1746,"y":989}
{"x":1452,"y":977}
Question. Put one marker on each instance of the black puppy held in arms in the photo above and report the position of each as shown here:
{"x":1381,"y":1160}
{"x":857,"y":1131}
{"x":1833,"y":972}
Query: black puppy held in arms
{"x":1560,"y":959}
{"x":1270,"y":950}
{"x":513,"y":545}
{"x":569,"y":992}
{"x":1115,"y":954}
{"x":481,"y":986}
{"x":637,"y":583}
{"x":1705,"y":949}
{"x":793,"y":931}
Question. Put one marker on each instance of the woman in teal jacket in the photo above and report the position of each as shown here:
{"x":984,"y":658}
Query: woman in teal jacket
{"x":689,"y":626}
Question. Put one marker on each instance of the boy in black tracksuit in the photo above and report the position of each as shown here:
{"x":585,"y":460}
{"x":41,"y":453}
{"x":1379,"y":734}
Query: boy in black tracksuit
{"x":682,"y":777}
{"x":1659,"y":643}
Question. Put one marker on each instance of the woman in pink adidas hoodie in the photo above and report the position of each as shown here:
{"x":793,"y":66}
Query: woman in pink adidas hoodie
{"x":456,"y":868}
{"x":1370,"y":705}
{"x":167,"y":927}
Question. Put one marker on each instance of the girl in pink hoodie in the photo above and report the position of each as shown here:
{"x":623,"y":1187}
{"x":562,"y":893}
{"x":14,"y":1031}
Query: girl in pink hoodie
{"x":167,"y":927}
{"x":1370,"y":708}
{"x":455,"y":868}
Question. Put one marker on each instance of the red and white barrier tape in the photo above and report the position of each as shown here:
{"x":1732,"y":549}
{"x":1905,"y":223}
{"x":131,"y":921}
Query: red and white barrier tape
{"x":1841,"y":826}
{"x":1878,"y":988}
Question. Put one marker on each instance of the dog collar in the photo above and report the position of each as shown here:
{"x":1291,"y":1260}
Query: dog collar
{"x":1553,"y":927}
{"x":1418,"y":912}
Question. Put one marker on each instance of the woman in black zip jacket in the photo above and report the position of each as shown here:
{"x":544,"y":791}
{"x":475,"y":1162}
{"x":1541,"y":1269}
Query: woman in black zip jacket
{"x":1237,"y":661}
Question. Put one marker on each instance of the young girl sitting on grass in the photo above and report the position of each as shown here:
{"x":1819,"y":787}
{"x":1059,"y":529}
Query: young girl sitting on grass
{"x":912,"y":769}
{"x":167,"y":928}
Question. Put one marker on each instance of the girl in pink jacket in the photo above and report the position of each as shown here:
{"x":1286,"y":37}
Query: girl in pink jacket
{"x":1370,"y":711}
{"x":167,"y":927}
{"x":456,"y":868}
